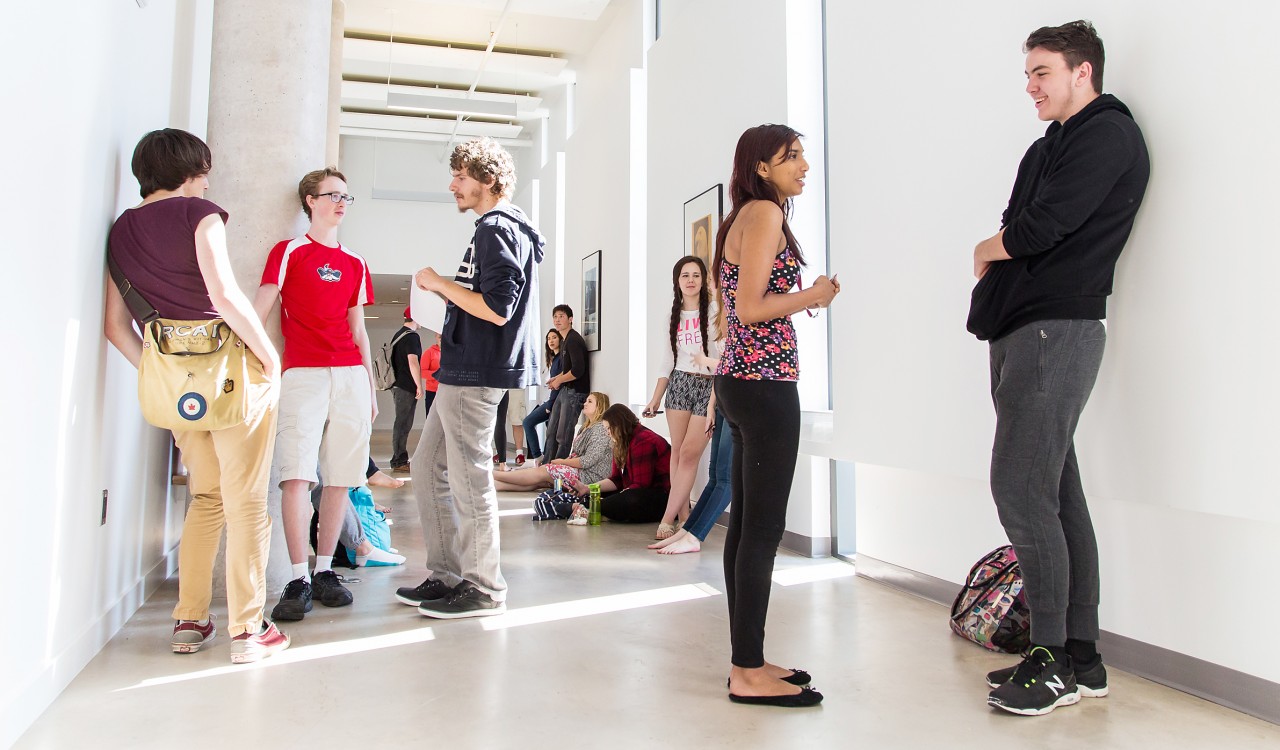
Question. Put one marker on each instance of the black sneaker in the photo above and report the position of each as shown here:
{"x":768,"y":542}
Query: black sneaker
{"x":1038,"y":685}
{"x":295,"y":602}
{"x":329,"y":590}
{"x":427,"y":591}
{"x":1091,"y":678}
{"x":466,"y":601}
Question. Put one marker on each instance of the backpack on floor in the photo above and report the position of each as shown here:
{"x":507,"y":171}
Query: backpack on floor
{"x":384,"y":375}
{"x":553,"y":504}
{"x":991,"y":610}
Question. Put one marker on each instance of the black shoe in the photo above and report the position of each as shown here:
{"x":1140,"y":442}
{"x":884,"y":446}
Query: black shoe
{"x":329,"y":590}
{"x":803,"y":699}
{"x":797,"y":677}
{"x":427,"y":591}
{"x":295,"y":602}
{"x":466,"y":601}
{"x":1038,"y":685}
{"x":1091,"y":678}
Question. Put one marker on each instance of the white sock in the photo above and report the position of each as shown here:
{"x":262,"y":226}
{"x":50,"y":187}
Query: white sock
{"x":300,"y":571}
{"x":323,"y":563}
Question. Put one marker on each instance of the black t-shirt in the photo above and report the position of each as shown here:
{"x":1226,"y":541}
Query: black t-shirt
{"x":573,"y":354}
{"x":408,"y":344}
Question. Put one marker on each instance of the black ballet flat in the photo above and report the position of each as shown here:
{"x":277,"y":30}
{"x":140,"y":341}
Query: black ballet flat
{"x":803,"y":699}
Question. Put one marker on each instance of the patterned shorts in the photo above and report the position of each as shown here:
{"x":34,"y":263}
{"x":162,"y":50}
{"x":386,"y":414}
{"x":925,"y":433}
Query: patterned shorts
{"x":688,"y":392}
{"x":566,"y":474}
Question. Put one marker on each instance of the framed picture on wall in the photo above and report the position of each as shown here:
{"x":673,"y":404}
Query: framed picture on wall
{"x":591,"y":301}
{"x":702,"y":215}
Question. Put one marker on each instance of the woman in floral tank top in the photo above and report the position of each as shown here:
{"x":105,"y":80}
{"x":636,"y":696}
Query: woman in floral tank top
{"x":758,"y":264}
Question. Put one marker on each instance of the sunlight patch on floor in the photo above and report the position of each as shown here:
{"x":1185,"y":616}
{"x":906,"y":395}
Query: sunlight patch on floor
{"x":299,"y":654}
{"x":598,"y":606}
{"x":812,"y":573}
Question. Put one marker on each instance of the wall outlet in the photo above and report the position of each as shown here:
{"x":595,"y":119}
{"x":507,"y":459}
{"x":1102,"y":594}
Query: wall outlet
{"x":103,"y":522}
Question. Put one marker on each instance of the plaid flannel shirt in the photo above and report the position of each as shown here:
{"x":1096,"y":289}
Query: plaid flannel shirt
{"x":648,"y":462}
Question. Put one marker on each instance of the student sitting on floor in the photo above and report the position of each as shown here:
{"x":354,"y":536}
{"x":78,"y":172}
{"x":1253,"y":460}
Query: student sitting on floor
{"x":641,"y":470}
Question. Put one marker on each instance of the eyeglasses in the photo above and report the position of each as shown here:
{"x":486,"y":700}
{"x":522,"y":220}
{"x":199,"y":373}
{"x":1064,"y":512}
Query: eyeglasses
{"x":339,"y":197}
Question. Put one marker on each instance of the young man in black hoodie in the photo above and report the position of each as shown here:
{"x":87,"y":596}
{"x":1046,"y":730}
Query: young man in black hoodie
{"x":1041,"y":296}
{"x":489,"y":344}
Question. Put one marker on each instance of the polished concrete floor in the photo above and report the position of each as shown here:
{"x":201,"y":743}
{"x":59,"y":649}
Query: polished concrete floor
{"x":605,"y":645}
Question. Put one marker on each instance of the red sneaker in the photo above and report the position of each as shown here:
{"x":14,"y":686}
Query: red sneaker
{"x":190,"y":635}
{"x":247,"y":648}
{"x":519,"y":459}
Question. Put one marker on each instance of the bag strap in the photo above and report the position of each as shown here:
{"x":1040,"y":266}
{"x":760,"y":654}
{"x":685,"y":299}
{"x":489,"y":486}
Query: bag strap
{"x":143,"y":310}
{"x":397,"y":337}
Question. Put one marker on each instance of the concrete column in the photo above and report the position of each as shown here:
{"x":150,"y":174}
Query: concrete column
{"x":268,"y":124}
{"x":336,"y":26}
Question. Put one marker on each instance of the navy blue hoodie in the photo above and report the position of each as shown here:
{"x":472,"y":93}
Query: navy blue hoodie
{"x":502,"y":265}
{"x":1073,"y":204}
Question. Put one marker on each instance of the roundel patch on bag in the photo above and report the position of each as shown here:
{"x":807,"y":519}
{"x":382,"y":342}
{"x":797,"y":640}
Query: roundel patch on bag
{"x":192,"y":406}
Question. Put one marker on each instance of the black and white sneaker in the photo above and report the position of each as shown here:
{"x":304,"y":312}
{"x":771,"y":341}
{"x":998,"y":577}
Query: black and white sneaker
{"x":295,"y":602}
{"x":466,"y":601}
{"x":427,"y":591}
{"x":1038,"y":685}
{"x":1091,"y":677}
{"x":329,"y":589}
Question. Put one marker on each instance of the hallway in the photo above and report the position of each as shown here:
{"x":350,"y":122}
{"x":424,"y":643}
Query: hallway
{"x":606,"y":644}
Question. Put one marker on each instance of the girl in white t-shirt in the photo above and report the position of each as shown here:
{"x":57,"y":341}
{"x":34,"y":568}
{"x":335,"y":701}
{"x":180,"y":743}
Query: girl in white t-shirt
{"x":691,"y":358}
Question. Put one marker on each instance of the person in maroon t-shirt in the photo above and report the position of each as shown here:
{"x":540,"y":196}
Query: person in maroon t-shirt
{"x":327,"y":404}
{"x":172,"y":248}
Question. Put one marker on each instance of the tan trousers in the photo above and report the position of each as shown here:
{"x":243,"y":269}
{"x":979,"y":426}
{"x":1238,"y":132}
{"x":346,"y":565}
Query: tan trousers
{"x":228,"y":475}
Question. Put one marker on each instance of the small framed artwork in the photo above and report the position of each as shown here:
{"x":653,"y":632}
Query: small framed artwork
{"x":702,"y":215}
{"x":591,"y":301}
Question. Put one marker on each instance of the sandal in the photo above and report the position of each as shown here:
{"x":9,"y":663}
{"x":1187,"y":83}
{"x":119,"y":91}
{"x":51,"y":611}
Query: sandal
{"x":665,"y":530}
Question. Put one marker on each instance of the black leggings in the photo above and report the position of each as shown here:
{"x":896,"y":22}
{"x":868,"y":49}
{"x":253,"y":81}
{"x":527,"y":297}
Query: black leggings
{"x":640,"y":505}
{"x":764,"y":419}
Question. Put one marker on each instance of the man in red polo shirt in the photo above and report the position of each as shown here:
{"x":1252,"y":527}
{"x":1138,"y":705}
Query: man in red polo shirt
{"x":326,"y":392}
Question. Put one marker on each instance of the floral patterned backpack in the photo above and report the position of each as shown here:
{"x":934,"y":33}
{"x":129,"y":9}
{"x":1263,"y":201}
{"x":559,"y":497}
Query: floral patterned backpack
{"x":991,"y":610}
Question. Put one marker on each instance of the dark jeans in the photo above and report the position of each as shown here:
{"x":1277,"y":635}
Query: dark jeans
{"x":1041,"y":377}
{"x":764,"y":419}
{"x":428,"y":397}
{"x":405,"y":404}
{"x":719,"y":490}
{"x":564,"y":417}
{"x":640,"y":505}
{"x":500,"y":429}
{"x":537,"y":415}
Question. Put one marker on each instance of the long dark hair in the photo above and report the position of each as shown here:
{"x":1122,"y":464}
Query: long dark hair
{"x":623,"y":424}
{"x":546,"y":348}
{"x":677,"y":302}
{"x":756,"y":145}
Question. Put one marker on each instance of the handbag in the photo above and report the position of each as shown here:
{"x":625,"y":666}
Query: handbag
{"x":194,"y":374}
{"x":991,"y":609}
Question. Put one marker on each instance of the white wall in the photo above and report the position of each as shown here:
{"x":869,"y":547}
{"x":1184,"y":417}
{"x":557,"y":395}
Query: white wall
{"x":69,"y":400}
{"x":395,"y":235}
{"x":1178,"y":441}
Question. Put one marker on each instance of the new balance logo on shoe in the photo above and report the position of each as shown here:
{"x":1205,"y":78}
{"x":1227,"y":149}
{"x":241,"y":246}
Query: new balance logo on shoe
{"x":1056,"y":685}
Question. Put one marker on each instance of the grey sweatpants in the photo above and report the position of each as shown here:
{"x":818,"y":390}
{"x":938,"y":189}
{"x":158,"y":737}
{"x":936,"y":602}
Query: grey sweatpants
{"x":1041,"y":377}
{"x":453,"y":483}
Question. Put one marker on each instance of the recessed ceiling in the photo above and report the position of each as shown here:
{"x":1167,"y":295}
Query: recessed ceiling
{"x":459,"y":69}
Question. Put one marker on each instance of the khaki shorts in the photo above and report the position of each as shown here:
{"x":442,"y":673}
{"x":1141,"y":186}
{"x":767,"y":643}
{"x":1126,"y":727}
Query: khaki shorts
{"x":324,"y":421}
{"x":517,"y":406}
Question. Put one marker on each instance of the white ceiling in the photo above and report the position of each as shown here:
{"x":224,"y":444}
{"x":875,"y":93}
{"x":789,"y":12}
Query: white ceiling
{"x":436,"y":52}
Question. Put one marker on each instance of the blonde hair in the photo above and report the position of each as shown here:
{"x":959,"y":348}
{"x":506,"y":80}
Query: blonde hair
{"x":602,"y":403}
